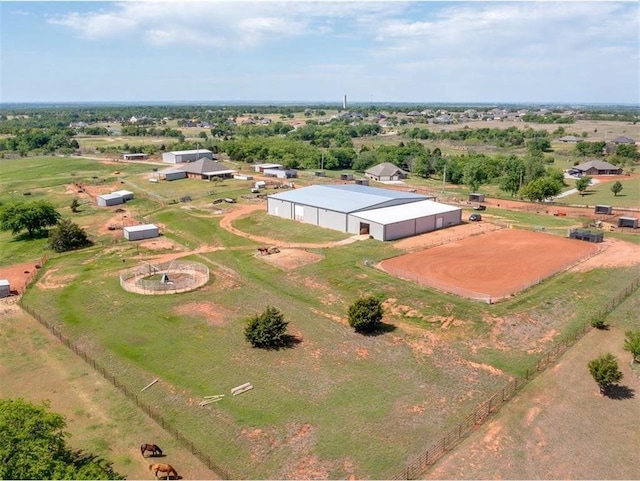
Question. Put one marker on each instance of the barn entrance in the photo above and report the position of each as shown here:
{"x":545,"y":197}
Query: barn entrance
{"x":298,"y":212}
{"x":439,"y":222}
{"x":364,"y":228}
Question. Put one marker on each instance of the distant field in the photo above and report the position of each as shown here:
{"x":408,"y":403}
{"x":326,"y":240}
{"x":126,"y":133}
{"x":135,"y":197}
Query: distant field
{"x":601,"y":194}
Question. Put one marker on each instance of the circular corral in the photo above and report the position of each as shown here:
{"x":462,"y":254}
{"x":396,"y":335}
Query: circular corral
{"x":171,"y":277}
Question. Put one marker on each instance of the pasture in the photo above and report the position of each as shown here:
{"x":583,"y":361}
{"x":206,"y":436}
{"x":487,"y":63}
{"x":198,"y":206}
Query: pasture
{"x":335,"y":404}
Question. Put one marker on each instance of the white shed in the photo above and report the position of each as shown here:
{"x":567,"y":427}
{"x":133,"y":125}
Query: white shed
{"x":139,"y":232}
{"x":182,"y":156}
{"x":5,"y":288}
{"x":125,"y":194}
{"x":105,"y":200}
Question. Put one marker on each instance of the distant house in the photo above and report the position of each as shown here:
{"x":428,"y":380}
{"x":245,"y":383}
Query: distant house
{"x":623,"y":140}
{"x":262,"y":167}
{"x":385,"y":171}
{"x":570,"y":139}
{"x":136,"y":156}
{"x":207,"y":169}
{"x":595,"y":167}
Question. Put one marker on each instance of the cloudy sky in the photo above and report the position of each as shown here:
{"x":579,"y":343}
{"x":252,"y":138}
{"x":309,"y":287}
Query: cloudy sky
{"x":318,"y":51}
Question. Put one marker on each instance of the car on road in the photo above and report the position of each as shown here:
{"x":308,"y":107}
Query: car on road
{"x":475,"y":217}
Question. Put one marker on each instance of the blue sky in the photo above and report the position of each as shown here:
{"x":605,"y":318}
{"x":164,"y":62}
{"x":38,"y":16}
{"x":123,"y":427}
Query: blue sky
{"x":318,"y":51}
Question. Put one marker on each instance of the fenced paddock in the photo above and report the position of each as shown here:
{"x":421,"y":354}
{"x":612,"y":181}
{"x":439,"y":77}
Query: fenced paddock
{"x":490,"y":266}
{"x":172,"y":277}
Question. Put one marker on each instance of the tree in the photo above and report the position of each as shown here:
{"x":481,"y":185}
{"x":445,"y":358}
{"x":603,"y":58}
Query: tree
{"x":616,"y":188}
{"x":266,"y":330}
{"x":30,"y":216}
{"x":365,"y":314}
{"x":33,"y":446}
{"x":541,"y":189}
{"x":513,"y":171}
{"x":632,"y":344}
{"x":605,"y":371}
{"x":68,"y":236}
{"x":75,"y":203}
{"x":583,"y":183}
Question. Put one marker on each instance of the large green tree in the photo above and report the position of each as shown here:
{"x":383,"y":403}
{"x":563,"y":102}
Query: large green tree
{"x":267,"y":330}
{"x":68,"y":236}
{"x":605,"y":371}
{"x":33,"y":446}
{"x":513,"y":171}
{"x":541,"y":189}
{"x":365,"y":314}
{"x":33,"y":217}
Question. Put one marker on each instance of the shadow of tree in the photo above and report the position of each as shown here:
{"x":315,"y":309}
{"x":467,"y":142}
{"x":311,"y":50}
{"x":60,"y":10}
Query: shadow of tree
{"x":620,"y":392}
{"x":381,"y":328}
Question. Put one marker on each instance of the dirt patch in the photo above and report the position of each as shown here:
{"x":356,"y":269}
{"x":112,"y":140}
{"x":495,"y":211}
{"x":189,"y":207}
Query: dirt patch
{"x":51,"y":280}
{"x":213,"y":313}
{"x":19,"y":274}
{"x":288,"y":259}
{"x":443,"y":236}
{"x":491,"y":267}
{"x":612,"y":253}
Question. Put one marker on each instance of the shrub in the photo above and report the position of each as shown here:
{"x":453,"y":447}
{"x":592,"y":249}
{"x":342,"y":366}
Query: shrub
{"x":365,"y":314}
{"x":267,"y":330}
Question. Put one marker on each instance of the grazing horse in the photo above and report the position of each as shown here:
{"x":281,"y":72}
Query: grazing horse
{"x":163,"y":468}
{"x":154,"y":448}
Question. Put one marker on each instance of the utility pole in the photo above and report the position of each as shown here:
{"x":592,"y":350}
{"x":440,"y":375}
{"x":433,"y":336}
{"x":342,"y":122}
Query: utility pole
{"x":444,"y":176}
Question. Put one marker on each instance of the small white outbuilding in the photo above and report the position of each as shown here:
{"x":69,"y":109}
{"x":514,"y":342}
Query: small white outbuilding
{"x":5,"y":288}
{"x":139,"y":232}
{"x":106,"y":200}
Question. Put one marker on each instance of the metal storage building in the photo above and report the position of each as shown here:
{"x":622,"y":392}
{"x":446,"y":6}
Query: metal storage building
{"x":175,"y":175}
{"x":125,"y":194}
{"x":182,"y":156}
{"x":396,"y":222}
{"x":106,"y":200}
{"x":382,"y":213}
{"x":603,"y":209}
{"x":139,"y":232}
{"x":628,"y":222}
{"x":5,"y":288}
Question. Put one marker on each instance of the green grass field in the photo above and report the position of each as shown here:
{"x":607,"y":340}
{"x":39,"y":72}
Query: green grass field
{"x":355,"y":405}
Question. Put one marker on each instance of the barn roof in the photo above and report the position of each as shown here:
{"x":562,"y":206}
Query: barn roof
{"x":110,"y":196}
{"x":205,"y":166}
{"x":345,"y":198}
{"x":400,"y":213}
{"x":197,"y":151}
{"x":4,"y":282}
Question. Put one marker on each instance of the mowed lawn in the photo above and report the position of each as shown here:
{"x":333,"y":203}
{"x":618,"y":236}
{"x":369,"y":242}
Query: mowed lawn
{"x":559,"y":426}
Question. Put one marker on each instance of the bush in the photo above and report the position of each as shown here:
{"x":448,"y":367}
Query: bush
{"x":267,"y":330}
{"x":68,"y":236}
{"x":605,"y":371}
{"x":365,"y":314}
{"x":598,"y":323}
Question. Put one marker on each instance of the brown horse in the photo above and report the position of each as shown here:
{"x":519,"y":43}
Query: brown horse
{"x":163,"y":468}
{"x":154,"y":448}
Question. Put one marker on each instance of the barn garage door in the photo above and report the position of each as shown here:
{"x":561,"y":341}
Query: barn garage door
{"x":298,"y":212}
{"x":439,"y":221}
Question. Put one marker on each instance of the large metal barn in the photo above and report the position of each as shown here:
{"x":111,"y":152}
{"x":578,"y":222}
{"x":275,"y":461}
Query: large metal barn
{"x":383,"y":214}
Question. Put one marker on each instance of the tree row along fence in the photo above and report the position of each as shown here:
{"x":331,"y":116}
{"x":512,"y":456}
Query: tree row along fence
{"x":152,"y":412}
{"x":446,"y":443}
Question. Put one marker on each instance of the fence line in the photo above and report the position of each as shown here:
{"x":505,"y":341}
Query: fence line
{"x":447,"y":442}
{"x":416,"y":467}
{"x":141,"y":403}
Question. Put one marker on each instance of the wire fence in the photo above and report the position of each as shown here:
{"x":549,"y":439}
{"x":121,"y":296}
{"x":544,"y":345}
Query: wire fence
{"x":171,"y":277}
{"x":415,"y":467}
{"x":446,"y":443}
{"x":152,"y":412}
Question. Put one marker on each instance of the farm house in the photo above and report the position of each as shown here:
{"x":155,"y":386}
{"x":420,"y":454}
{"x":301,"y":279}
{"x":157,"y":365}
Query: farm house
{"x":139,"y":232}
{"x":183,"y":156}
{"x":384,"y":214}
{"x":106,"y":200}
{"x":385,"y":171}
{"x":5,"y":288}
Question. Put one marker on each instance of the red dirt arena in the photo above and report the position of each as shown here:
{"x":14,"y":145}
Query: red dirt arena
{"x":491,"y":266}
